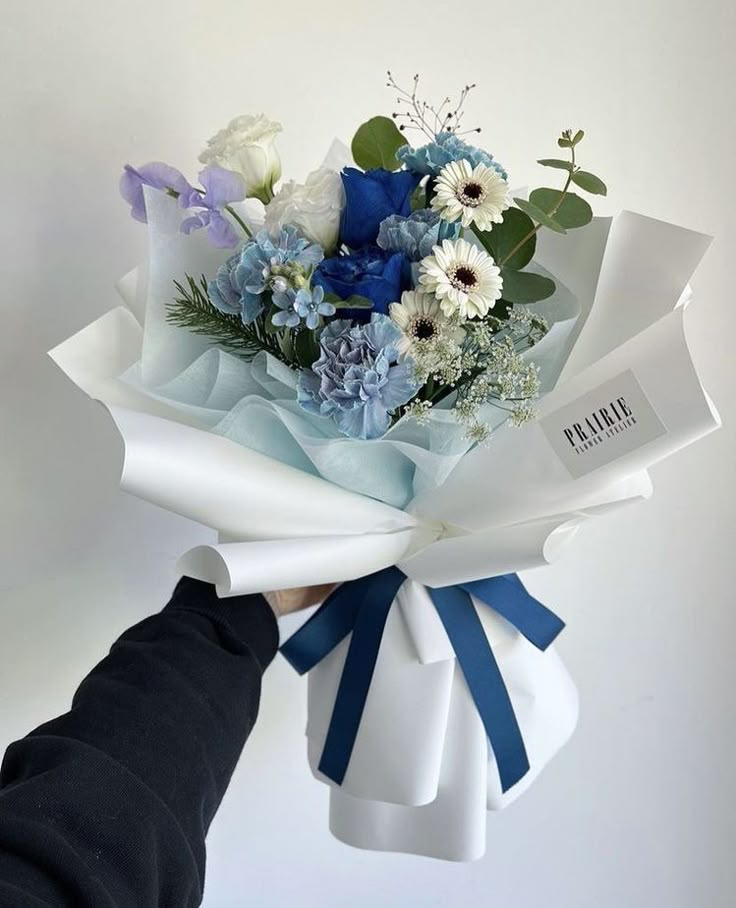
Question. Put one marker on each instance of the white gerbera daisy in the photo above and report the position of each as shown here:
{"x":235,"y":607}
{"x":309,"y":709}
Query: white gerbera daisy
{"x":419,"y":317}
{"x":472,"y":195}
{"x":464,"y":278}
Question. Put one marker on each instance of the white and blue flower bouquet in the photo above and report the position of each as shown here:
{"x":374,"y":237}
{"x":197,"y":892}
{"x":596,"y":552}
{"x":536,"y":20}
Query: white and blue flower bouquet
{"x":402,"y":377}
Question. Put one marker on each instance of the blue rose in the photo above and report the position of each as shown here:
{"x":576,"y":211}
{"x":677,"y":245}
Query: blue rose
{"x":371,"y":272}
{"x":370,"y":198}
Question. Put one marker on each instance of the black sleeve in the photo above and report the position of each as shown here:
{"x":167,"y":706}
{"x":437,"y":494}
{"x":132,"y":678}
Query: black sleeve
{"x":109,"y":804}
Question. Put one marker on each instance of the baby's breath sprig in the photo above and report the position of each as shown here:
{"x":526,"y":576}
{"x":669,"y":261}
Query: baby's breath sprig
{"x":414,"y":113}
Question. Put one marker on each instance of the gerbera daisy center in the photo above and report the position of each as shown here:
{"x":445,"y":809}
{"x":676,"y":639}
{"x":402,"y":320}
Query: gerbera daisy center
{"x":463,"y":277}
{"x":423,"y":328}
{"x":472,"y":195}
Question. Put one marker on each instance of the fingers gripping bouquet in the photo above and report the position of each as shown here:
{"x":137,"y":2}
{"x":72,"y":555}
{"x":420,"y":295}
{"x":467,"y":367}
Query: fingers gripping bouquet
{"x":358,"y":379}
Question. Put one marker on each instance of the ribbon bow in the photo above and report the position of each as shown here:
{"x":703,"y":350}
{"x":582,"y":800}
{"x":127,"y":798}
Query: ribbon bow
{"x":362,"y":606}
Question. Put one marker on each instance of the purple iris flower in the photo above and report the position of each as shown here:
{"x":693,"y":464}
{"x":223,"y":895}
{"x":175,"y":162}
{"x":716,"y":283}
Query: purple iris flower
{"x":220,"y":188}
{"x":155,"y":174}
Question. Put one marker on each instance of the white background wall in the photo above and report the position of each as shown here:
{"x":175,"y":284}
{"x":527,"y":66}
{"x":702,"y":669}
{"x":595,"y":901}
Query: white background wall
{"x":638,"y":810}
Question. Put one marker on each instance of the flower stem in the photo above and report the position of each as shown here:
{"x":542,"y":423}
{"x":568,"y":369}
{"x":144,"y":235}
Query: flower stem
{"x":525,"y":239}
{"x":246,"y":229}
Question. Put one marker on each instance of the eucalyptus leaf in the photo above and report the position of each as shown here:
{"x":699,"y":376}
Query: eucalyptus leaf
{"x":503,"y":237}
{"x":375,"y":144}
{"x":556,"y":162}
{"x":572,"y":212}
{"x":589,"y":182}
{"x":538,"y":214}
{"x":526,"y":286}
{"x":578,"y":137}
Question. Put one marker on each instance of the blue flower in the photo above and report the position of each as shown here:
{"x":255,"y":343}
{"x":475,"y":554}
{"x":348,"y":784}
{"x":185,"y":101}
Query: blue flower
{"x":414,"y":236}
{"x":296,"y":305}
{"x":431,"y":158}
{"x":263,"y":264}
{"x":358,"y":379}
{"x":370,"y":198}
{"x":370,"y":272}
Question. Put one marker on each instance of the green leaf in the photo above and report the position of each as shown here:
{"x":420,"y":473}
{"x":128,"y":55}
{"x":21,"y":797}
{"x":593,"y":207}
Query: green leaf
{"x":306,"y":348}
{"x":538,"y":214}
{"x":269,"y":326}
{"x":503,"y":237}
{"x":501,"y":309}
{"x":564,"y":142}
{"x":352,"y":302}
{"x":556,"y":162}
{"x":418,"y":198}
{"x":573,"y":212}
{"x":589,"y":182}
{"x":525,"y":286}
{"x":375,"y":144}
{"x":578,"y":137}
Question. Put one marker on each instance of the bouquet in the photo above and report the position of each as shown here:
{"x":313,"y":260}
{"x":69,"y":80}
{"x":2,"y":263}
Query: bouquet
{"x":402,"y":376}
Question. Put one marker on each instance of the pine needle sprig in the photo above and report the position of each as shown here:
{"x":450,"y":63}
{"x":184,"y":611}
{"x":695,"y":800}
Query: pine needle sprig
{"x":192,"y":309}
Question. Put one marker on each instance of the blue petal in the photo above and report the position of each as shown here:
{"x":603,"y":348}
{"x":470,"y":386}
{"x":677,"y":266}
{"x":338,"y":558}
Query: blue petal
{"x":368,"y":421}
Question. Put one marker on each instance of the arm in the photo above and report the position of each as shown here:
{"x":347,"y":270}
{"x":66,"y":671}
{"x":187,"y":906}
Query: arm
{"x":109,"y":804}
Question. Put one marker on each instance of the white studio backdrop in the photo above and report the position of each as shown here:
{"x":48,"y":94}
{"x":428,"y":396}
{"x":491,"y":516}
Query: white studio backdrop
{"x":638,"y":810}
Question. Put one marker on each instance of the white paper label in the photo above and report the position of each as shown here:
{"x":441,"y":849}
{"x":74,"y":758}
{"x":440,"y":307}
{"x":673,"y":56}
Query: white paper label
{"x":609,"y":422}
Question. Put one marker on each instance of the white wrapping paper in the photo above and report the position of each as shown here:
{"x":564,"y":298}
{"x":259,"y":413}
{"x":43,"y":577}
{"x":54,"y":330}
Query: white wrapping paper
{"x":226,"y":444}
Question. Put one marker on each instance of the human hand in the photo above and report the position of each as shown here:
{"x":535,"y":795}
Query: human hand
{"x":283,"y":602}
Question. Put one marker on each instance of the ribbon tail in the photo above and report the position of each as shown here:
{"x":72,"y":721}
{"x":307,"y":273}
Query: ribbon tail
{"x":485,"y":682}
{"x":321,"y":633}
{"x":373,"y":603}
{"x":508,"y":596}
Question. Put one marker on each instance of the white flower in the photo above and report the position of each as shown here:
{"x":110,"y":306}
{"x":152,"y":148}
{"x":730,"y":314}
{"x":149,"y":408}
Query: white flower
{"x":248,"y":146}
{"x":472,"y":195}
{"x":419,"y":317}
{"x":463,"y":277}
{"x":314,"y":207}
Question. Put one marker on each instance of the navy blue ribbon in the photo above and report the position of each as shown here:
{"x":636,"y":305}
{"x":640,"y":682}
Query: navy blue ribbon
{"x":362,"y":607}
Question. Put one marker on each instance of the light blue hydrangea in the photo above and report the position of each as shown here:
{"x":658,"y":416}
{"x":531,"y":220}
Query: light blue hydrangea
{"x":358,"y":379}
{"x":414,"y":236}
{"x":264,"y":264}
{"x":431,"y":158}
{"x":295,"y":305}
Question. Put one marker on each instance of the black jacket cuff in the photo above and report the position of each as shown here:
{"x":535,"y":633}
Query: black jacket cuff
{"x":250,"y":618}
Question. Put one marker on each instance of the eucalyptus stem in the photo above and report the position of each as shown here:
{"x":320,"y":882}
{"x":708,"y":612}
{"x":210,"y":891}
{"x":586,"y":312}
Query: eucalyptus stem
{"x":525,"y":239}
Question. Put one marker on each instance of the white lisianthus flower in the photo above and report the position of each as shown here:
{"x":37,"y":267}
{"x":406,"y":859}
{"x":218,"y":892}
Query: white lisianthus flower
{"x":464,"y":278}
{"x":248,"y":146}
{"x":314,"y":207}
{"x":472,"y":195}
